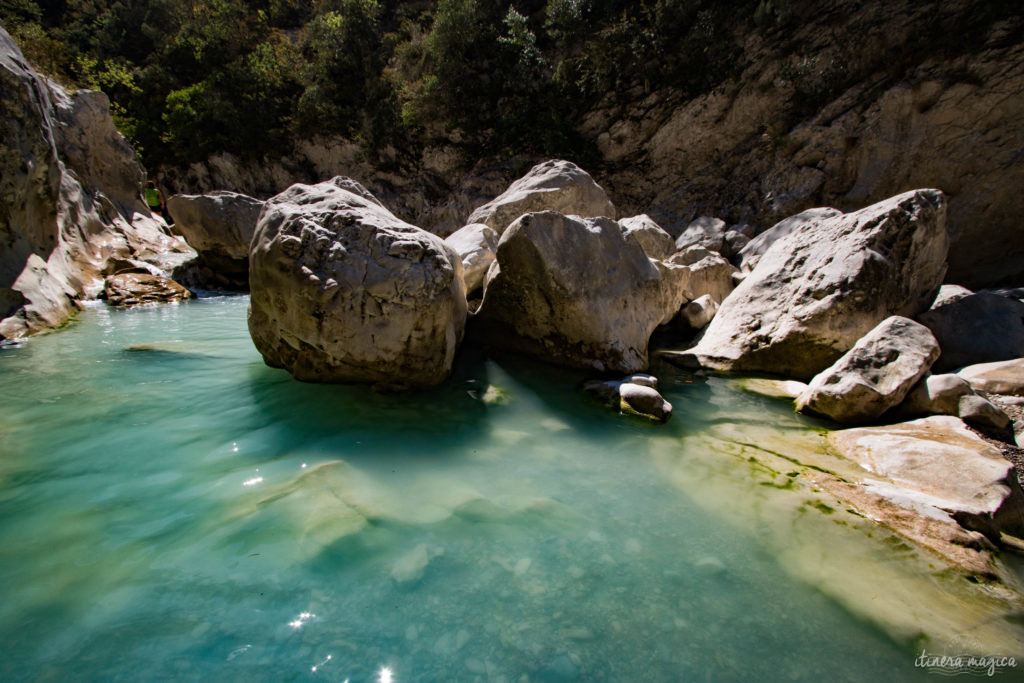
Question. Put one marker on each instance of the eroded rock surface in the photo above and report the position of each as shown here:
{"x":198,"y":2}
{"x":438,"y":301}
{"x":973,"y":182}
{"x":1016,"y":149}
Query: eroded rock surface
{"x":343,"y":291}
{"x":70,"y":200}
{"x":135,"y":289}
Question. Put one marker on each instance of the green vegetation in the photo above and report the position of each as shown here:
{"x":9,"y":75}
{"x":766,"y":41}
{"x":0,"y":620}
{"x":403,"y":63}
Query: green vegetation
{"x":188,"y":79}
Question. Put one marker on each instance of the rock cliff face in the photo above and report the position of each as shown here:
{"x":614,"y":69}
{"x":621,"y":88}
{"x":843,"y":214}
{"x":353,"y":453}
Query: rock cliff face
{"x":791,"y":131}
{"x":70,"y":204}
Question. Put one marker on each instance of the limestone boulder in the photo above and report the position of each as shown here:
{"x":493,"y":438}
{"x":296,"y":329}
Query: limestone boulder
{"x":136,"y":289}
{"x":986,"y":417}
{"x":709,"y":275}
{"x":1003,"y":377}
{"x":706,"y":231}
{"x":657,"y":243}
{"x":343,"y":291}
{"x":70,"y":200}
{"x":939,"y":457}
{"x":219,"y":226}
{"x":636,"y":394}
{"x":979,"y":328}
{"x":560,"y":186}
{"x":875,"y":375}
{"x":815,"y":292}
{"x":751,"y":253}
{"x":576,"y":291}
{"x":698,"y":313}
{"x":475,"y":244}
{"x":936,"y":395}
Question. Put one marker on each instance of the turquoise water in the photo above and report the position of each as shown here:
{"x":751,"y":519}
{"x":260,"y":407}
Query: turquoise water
{"x":171,"y":508}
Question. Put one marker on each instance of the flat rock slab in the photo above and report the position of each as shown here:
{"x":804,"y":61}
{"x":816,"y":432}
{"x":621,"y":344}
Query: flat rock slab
{"x":940,"y":457}
{"x":1001,"y":377}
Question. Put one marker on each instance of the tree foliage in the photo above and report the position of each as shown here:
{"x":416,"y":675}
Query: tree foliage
{"x":188,"y":79}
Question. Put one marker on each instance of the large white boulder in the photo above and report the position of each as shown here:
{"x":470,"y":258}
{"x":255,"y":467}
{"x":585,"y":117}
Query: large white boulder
{"x":577,"y":291}
{"x":977,"y":328}
{"x":475,"y":244}
{"x":815,"y":292}
{"x":343,"y":291}
{"x":875,"y":375}
{"x":560,"y":186}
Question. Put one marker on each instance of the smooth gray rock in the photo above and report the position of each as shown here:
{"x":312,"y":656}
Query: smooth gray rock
{"x":657,"y":243}
{"x":560,"y":186}
{"x":637,"y":399}
{"x":936,"y":395}
{"x":817,"y":291}
{"x":1002,"y":377}
{"x":875,"y":375}
{"x":985,"y":416}
{"x":475,"y":244}
{"x":576,"y":291}
{"x":706,"y":231}
{"x":636,"y":394}
{"x":980,"y":328}
{"x":343,"y":291}
{"x":699,"y":312}
{"x":751,"y":253}
{"x":219,"y":226}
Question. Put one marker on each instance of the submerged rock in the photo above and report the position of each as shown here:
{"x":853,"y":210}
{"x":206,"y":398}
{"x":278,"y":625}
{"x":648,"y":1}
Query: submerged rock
{"x":636,"y":394}
{"x":475,"y":244}
{"x":219,"y":226}
{"x":816,"y":292}
{"x":134,"y":289}
{"x":560,"y":186}
{"x":576,"y":291}
{"x":977,"y":328}
{"x":343,"y":291}
{"x":873,"y":376}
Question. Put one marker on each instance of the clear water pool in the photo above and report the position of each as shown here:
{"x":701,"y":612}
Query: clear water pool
{"x":171,"y":508}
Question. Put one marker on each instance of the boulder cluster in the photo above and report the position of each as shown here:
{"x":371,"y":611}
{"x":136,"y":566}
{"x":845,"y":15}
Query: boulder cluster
{"x":343,"y":291}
